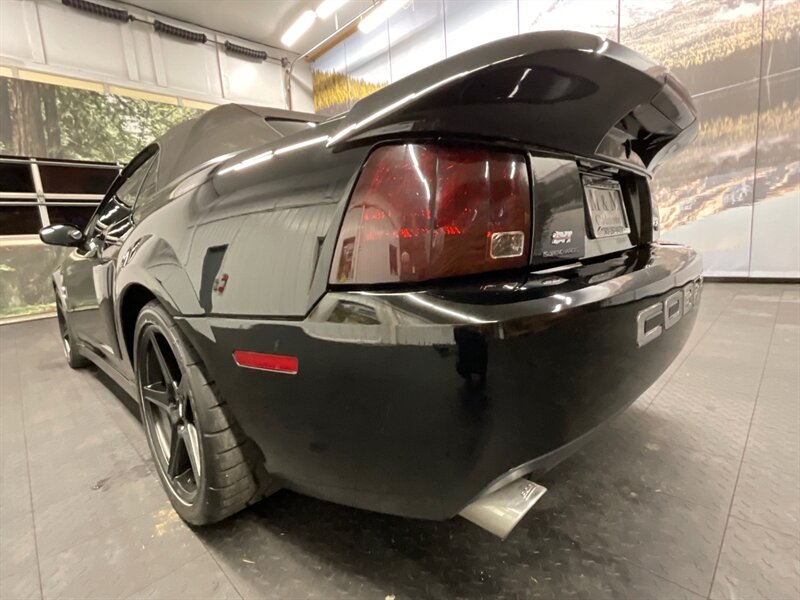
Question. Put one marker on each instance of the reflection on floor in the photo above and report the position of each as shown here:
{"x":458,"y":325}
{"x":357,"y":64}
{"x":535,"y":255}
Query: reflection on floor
{"x":694,"y":492}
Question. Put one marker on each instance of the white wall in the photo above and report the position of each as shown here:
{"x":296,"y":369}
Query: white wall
{"x":46,"y":36}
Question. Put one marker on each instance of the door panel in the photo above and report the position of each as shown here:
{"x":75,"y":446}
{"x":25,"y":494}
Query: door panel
{"x":90,"y":272}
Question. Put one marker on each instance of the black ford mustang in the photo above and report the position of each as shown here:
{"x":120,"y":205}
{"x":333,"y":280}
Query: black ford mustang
{"x":406,"y":308}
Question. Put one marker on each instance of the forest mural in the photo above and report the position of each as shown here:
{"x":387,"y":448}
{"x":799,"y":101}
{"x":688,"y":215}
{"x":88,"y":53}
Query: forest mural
{"x":51,"y":121}
{"x":58,"y":122}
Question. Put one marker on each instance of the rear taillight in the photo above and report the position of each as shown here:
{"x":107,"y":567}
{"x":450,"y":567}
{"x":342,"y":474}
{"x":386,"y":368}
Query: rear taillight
{"x":423,"y":212}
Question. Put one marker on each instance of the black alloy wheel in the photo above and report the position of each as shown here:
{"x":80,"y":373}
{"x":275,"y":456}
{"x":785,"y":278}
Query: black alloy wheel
{"x":209,"y":468}
{"x":169,"y":415}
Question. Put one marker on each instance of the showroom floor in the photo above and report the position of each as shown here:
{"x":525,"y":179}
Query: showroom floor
{"x":694,"y":492}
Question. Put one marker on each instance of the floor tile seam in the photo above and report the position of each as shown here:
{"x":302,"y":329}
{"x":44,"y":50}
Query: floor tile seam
{"x":22,"y":386}
{"x":741,"y":464}
{"x":767,"y":528}
{"x":171,"y":573}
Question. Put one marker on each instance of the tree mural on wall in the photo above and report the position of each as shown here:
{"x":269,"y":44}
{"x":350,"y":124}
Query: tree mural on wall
{"x":51,"y":121}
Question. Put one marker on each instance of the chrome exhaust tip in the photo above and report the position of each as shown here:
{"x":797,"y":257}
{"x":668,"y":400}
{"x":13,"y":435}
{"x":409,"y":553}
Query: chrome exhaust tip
{"x":500,"y":511}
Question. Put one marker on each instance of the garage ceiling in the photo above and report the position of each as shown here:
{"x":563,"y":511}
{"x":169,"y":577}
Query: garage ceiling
{"x":263,"y":21}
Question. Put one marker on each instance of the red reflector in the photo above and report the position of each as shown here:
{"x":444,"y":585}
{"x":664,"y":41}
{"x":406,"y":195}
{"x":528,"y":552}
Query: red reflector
{"x":277,"y":363}
{"x":422,"y":211}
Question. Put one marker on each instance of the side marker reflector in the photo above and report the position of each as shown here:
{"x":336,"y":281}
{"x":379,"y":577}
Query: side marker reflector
{"x":276,"y":363}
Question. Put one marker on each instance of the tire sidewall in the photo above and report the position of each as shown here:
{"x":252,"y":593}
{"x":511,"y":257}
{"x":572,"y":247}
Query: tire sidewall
{"x":153,"y":316}
{"x":74,"y":358}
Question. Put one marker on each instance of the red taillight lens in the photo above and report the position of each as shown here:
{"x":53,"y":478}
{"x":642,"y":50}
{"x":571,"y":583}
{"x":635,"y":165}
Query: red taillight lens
{"x":422,"y":212}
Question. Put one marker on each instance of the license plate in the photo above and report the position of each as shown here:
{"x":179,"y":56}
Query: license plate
{"x":606,"y":209}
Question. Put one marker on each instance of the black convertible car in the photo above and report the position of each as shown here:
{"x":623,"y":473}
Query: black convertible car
{"x":407,"y":308}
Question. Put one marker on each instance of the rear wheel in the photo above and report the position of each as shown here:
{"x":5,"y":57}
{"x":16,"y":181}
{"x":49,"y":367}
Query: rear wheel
{"x":205,"y":462}
{"x":68,"y":342}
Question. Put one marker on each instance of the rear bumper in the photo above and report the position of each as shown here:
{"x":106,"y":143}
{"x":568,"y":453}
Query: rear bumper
{"x":415,"y":403}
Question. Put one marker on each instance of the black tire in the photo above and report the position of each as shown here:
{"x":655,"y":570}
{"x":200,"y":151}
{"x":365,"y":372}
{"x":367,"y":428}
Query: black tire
{"x":68,"y":339}
{"x":231,"y":474}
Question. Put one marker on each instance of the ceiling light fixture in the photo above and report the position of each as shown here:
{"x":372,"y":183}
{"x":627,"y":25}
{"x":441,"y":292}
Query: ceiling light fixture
{"x":328,"y":7}
{"x":298,"y":28}
{"x":381,"y":13}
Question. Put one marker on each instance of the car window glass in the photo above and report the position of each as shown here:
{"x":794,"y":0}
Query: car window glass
{"x":112,"y":218}
{"x":128,"y":191}
{"x":148,"y":189}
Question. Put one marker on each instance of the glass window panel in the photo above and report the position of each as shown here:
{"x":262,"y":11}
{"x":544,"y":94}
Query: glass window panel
{"x":705,"y":193}
{"x":73,"y":215}
{"x":470,"y":23}
{"x":18,"y":220}
{"x":126,"y":194}
{"x":781,"y":51}
{"x":367,"y":62}
{"x":331,"y":87}
{"x":416,"y":36}
{"x":707,"y":45}
{"x":149,"y":189}
{"x":16,"y":177}
{"x":92,"y":201}
{"x":599,"y":17}
{"x":58,"y":179}
{"x":776,"y":213}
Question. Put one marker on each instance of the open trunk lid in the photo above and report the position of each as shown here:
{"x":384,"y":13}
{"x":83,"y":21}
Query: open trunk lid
{"x":564,"y":91}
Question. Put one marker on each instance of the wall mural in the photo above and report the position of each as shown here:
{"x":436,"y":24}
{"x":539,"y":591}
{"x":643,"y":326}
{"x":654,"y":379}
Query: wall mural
{"x":335,"y":92}
{"x":50,"y":121}
{"x":749,"y":139}
{"x":735,"y":194}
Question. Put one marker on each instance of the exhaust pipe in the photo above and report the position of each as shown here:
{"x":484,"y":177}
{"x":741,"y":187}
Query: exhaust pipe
{"x":500,"y":511}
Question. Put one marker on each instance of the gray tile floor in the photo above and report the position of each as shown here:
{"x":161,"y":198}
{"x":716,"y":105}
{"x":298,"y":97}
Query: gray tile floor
{"x":693,"y":493}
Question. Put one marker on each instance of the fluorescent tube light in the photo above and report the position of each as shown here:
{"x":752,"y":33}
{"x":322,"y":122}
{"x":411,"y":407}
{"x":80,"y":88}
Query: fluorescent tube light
{"x":378,"y":16}
{"x":328,"y":7}
{"x":298,"y":28}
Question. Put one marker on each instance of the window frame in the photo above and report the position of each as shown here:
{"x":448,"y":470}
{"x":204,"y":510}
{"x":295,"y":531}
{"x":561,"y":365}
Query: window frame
{"x":42,"y":198}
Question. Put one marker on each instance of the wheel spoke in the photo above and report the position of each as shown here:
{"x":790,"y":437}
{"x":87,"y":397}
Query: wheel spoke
{"x":162,"y":363}
{"x":192,"y":442}
{"x":157,"y":396}
{"x":177,"y":453}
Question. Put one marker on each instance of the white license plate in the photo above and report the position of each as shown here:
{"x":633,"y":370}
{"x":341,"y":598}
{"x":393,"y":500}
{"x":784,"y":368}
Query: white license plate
{"x":606,"y":208}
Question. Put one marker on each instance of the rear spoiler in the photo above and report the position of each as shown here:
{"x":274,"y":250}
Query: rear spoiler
{"x":563,"y":91}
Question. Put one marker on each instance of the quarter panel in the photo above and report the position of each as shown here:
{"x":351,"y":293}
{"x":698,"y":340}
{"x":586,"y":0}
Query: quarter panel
{"x":270,"y":263}
{"x":272,"y":223}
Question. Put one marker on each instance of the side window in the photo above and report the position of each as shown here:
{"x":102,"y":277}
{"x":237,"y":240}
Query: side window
{"x":112,"y":219}
{"x":147,"y":191}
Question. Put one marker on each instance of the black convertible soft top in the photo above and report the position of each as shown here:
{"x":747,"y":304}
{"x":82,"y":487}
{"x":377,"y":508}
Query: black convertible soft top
{"x":221,"y":131}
